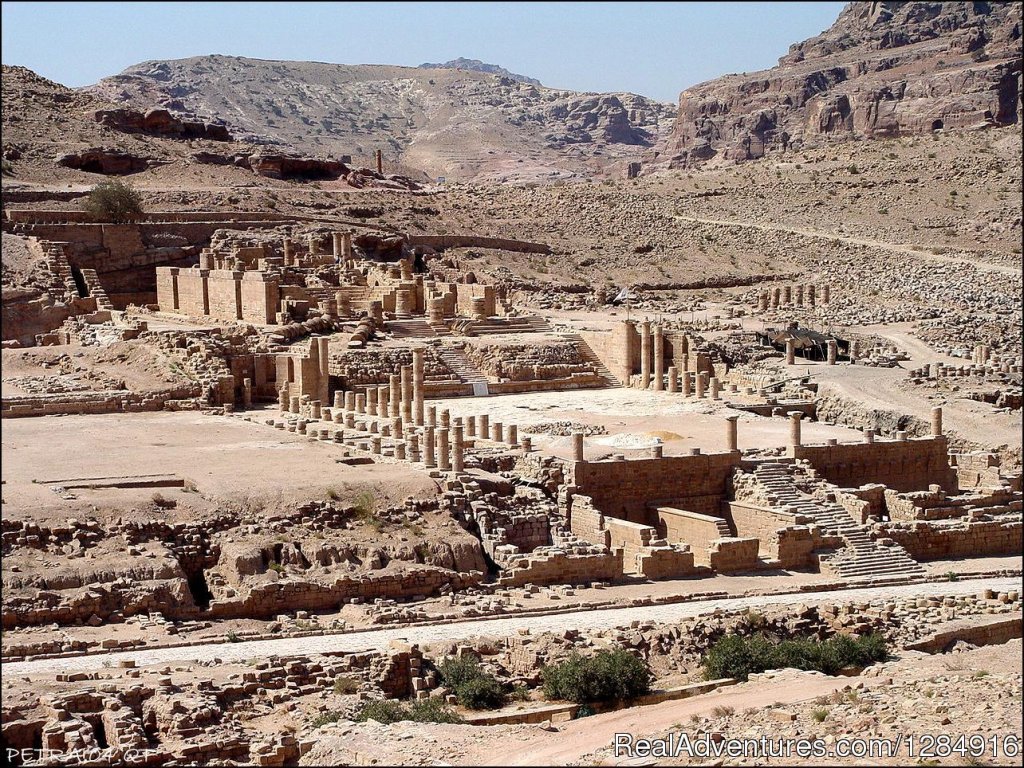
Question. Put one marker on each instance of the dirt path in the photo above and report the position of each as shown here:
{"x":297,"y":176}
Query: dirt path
{"x":585,"y":620}
{"x":918,"y":251}
{"x":582,"y":737}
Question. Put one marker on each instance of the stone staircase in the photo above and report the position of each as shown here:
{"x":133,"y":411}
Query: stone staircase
{"x":92,"y":282}
{"x":862,"y":557}
{"x":417,"y":328}
{"x":57,"y":265}
{"x":591,"y":357}
{"x":460,"y":365}
{"x":500,"y":325}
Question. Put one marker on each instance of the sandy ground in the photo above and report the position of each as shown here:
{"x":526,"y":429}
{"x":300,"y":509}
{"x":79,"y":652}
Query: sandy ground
{"x":633,"y":414}
{"x":222,"y":456}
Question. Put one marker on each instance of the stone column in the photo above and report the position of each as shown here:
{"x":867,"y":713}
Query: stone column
{"x":247,"y":392}
{"x":826,"y":294}
{"x":687,"y":386}
{"x":395,"y":396}
{"x":810,"y":295}
{"x":371,"y":401}
{"x":790,"y":352}
{"x":323,"y":357}
{"x":383,"y":400}
{"x":397,"y":427}
{"x":762,"y":301}
{"x":432,"y":416}
{"x":414,"y":447}
{"x":794,"y":428}
{"x":443,"y":458}
{"x":937,"y":421}
{"x":428,"y":448}
{"x":446,"y":418}
{"x":700,"y":381}
{"x":346,"y":245}
{"x":471,"y":426}
{"x":336,"y":247}
{"x":869,"y":435}
{"x":776,"y":297}
{"x":417,"y":385}
{"x":289,"y":252}
{"x":527,"y":444}
{"x":659,"y":359}
{"x":314,"y":410}
{"x":645,"y":354}
{"x":833,"y":351}
{"x":458,"y":450}
{"x":295,"y":405}
{"x":379,"y":156}
{"x":673,"y":379}
{"x":577,"y":447}
{"x":282,"y":398}
{"x":512,"y":432}
{"x":482,"y":425}
{"x":732,"y":433}
{"x":800,"y":295}
{"x":657,"y":451}
{"x":715,"y":387}
{"x":361,"y":403}
{"x":407,"y":393}
{"x":787,"y":295}
{"x":496,"y":432}
{"x":350,"y":401}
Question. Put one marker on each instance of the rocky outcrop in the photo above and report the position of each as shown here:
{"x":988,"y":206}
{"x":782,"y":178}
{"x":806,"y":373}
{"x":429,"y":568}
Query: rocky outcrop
{"x":475,"y":65}
{"x":109,"y":162}
{"x":884,"y":69}
{"x":160,"y":122}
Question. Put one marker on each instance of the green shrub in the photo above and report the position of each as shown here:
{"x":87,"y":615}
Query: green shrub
{"x":114,"y":201}
{"x":608,"y":676}
{"x":383,"y":711}
{"x":472,"y":686}
{"x":421,"y":711}
{"x":345,"y":685}
{"x":325,"y":718}
{"x":738,"y":657}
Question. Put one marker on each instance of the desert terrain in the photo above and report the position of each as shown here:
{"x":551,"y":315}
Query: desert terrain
{"x":645,"y":420}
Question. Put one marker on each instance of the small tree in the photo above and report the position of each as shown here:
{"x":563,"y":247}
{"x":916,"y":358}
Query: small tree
{"x":474,"y":687}
{"x":114,"y":201}
{"x":608,"y":676}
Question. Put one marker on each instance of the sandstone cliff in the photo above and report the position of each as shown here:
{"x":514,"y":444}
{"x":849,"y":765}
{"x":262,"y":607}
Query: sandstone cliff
{"x":884,"y":69}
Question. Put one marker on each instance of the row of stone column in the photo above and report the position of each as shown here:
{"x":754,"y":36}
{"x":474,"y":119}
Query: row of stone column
{"x":831,"y":352}
{"x":796,"y":417}
{"x":944,"y":370}
{"x":799,"y":295}
{"x":657,"y":451}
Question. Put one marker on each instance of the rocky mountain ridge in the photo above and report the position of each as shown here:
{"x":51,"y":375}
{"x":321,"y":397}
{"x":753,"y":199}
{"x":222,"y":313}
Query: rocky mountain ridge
{"x":457,"y":123}
{"x":884,"y":69}
{"x":479,"y":66}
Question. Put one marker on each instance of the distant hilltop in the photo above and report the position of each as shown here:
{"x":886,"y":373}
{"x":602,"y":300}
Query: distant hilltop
{"x":478,"y":66}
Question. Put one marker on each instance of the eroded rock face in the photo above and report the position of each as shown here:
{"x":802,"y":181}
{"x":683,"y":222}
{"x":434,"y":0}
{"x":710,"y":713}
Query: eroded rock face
{"x":160,"y":122}
{"x":882,"y":70}
{"x":109,"y":162}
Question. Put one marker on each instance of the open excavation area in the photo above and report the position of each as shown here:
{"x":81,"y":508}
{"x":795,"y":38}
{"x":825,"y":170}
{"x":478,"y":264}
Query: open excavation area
{"x":652,"y":450}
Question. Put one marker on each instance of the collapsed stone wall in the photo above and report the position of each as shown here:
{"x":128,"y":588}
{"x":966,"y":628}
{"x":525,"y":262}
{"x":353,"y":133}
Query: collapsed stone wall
{"x":940,"y":540}
{"x":363,"y":367}
{"x":531,"y":362}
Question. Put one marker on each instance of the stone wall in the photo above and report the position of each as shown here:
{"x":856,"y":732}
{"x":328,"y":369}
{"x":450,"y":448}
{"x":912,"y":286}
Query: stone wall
{"x":727,"y":555}
{"x":925,"y":540}
{"x":697,"y":530}
{"x":559,"y":567}
{"x":626,"y":489}
{"x":903,"y":465}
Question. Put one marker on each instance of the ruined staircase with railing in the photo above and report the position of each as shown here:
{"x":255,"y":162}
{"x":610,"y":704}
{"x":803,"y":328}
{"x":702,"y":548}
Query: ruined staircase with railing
{"x":862,"y":558}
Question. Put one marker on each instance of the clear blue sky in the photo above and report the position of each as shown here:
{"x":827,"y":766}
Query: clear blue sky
{"x":655,"y":49}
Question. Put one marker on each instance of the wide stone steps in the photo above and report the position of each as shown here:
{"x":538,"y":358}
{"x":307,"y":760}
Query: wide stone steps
{"x":410,"y":329}
{"x":591,"y":357}
{"x":862,"y":557}
{"x":500,"y":325}
{"x":457,"y":362}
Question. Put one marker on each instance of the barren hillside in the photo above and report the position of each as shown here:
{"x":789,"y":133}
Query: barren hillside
{"x":458,"y":123}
